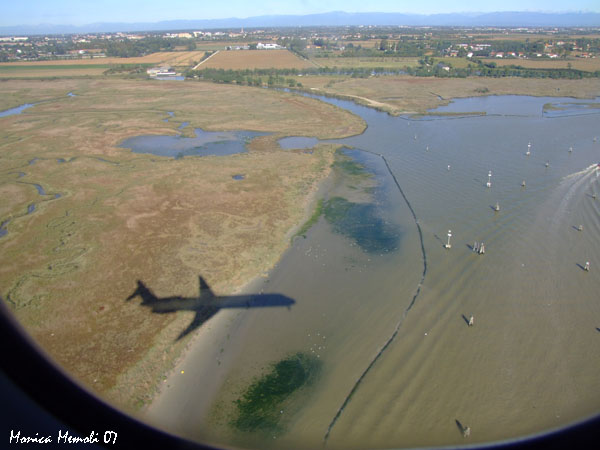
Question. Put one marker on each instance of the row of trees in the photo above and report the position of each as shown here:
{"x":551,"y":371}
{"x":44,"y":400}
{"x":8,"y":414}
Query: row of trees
{"x":277,"y":77}
{"x":245,"y":77}
{"x":129,"y":48}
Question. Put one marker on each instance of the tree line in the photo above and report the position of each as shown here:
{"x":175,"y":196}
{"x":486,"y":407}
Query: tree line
{"x":280,"y":77}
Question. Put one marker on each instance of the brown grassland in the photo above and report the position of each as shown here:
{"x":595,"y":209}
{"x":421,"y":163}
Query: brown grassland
{"x":255,"y":59}
{"x":415,"y":95}
{"x":67,"y":268}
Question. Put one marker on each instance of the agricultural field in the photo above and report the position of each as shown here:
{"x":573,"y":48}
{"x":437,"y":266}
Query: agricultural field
{"x":529,"y":36}
{"x":104,"y":217}
{"x":255,"y":59}
{"x":94,"y":66}
{"x":388,"y":62}
{"x":51,"y":70}
{"x":180,"y":58}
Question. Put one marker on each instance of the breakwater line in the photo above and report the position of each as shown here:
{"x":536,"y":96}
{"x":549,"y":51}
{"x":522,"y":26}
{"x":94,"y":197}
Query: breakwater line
{"x":404,"y":313}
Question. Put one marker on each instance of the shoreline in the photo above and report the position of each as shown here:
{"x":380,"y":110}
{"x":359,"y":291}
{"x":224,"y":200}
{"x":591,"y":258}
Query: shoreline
{"x":209,"y":343}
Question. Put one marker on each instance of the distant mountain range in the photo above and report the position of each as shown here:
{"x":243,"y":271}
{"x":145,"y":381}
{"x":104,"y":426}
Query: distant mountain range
{"x":336,"y":18}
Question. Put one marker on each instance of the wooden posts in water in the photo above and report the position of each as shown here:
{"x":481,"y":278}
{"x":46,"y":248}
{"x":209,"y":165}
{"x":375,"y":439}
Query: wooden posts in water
{"x":479,"y":248}
{"x":449,"y":236}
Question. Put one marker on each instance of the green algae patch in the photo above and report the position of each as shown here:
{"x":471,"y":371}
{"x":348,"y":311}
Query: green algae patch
{"x":311,"y":221}
{"x":348,"y":165}
{"x":261,"y":407}
{"x":362,"y":223}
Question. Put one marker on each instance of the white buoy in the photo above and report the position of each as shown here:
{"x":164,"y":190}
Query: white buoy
{"x":580,"y":228}
{"x":426,"y":148}
{"x":448,"y":166}
{"x":523,"y":183}
{"x":587,"y":266}
{"x":481,"y":249}
{"x":528,"y":149}
{"x":497,"y":207}
{"x":449,"y":236}
{"x":570,"y":149}
{"x":547,"y":163}
{"x":489,"y":181}
{"x":471,"y":321}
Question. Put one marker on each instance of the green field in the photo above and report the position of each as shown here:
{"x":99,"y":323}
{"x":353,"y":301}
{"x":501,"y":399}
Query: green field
{"x":366,"y":62}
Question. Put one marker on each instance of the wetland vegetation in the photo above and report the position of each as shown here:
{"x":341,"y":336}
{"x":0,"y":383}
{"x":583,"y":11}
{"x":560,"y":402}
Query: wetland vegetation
{"x":62,"y":282}
{"x":263,"y":406}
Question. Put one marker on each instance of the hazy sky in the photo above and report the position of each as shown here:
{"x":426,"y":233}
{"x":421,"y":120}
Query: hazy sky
{"x":80,"y":12}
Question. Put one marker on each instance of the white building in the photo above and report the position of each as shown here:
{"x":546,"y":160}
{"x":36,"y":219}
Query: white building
{"x":261,"y":46}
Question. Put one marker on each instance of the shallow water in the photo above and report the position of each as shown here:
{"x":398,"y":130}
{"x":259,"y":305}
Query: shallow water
{"x":401,"y":366}
{"x":3,"y":229}
{"x":204,"y":143}
{"x":17,"y":110}
{"x":294,"y":142}
{"x":39,"y":188}
{"x":527,"y":106}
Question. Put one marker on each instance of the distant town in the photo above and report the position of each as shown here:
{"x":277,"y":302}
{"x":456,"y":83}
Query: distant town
{"x":353,"y":51}
{"x":517,"y":43}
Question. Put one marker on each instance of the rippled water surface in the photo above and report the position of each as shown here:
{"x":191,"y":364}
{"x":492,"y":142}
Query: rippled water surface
{"x":401,"y":367}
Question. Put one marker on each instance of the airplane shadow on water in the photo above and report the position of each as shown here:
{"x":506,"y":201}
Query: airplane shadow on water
{"x":207,"y":304}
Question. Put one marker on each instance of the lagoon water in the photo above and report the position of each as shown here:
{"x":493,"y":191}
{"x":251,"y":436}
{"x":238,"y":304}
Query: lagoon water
{"x":401,"y":368}
{"x":204,"y":143}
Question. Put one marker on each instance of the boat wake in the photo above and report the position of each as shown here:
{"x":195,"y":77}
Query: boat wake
{"x":587,"y":170}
